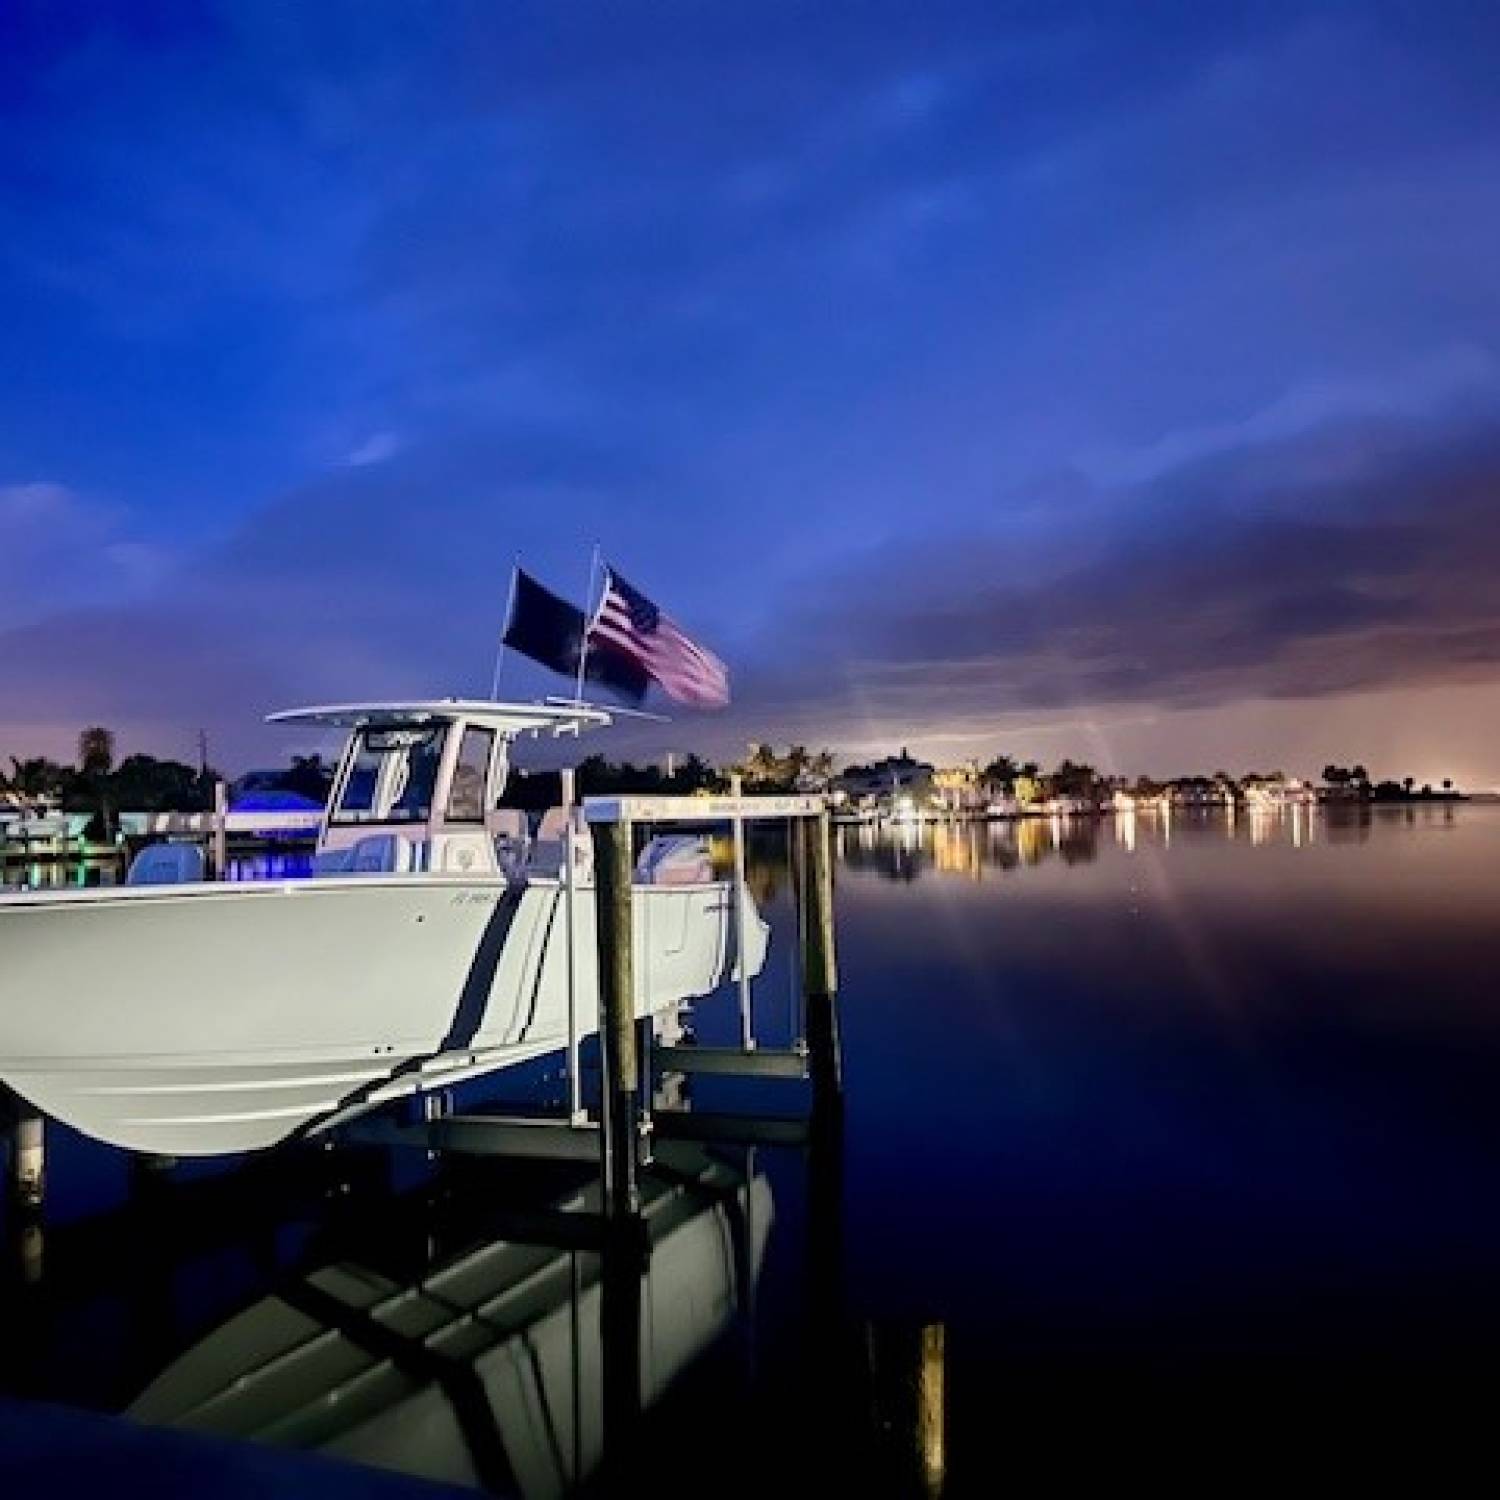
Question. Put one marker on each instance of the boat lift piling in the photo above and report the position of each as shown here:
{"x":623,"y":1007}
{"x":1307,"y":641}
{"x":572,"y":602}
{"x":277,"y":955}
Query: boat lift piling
{"x":221,"y":831}
{"x":620,"y":1108}
{"x":820,"y":980}
{"x":619,"y":1139}
{"x":577,"y":1115}
{"x":26,"y":1156}
{"x":815,"y":1056}
{"x":25,"y":1129}
{"x":737,"y":827}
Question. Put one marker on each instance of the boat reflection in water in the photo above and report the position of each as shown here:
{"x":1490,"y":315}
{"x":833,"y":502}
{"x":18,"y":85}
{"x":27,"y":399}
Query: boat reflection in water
{"x":492,"y":1366}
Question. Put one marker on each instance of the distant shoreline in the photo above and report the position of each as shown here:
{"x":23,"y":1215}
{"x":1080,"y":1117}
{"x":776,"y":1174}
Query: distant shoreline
{"x":1400,"y":798}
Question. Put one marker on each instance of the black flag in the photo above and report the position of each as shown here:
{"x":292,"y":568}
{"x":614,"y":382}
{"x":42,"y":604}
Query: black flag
{"x":550,"y":630}
{"x":544,"y":627}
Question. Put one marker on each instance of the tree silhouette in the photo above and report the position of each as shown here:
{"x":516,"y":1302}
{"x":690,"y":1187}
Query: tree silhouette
{"x":1001,"y":773}
{"x":37,"y":777}
{"x":1072,"y":779}
{"x":96,"y":751}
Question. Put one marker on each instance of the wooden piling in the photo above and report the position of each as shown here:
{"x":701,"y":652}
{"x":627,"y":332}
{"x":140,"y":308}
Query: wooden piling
{"x":28,"y":1157}
{"x":737,"y":833}
{"x":221,"y":831}
{"x":625,"y":1245}
{"x":931,"y":1438}
{"x":617,"y":1040}
{"x":576,"y":1112}
{"x":820,"y":980}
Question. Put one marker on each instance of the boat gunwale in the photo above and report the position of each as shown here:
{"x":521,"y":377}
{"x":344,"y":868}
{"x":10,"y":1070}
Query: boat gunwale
{"x":112,"y":895}
{"x":199,"y":890}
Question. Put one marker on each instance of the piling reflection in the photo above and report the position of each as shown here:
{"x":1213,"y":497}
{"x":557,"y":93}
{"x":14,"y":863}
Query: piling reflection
{"x":906,"y":1373}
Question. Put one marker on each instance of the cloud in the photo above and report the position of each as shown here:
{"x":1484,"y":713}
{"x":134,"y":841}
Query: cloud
{"x":375,"y":449}
{"x":1275,"y":569}
{"x":60,"y":548}
{"x":372,"y":580}
{"x":1422,"y":390}
{"x":1232,"y":577}
{"x":789,"y":312}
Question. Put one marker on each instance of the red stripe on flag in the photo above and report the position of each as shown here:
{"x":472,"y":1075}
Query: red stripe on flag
{"x":685,"y":670}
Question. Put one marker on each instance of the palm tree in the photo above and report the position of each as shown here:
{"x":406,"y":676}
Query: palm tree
{"x":1001,"y":772}
{"x":96,"y":751}
{"x":761,"y":766}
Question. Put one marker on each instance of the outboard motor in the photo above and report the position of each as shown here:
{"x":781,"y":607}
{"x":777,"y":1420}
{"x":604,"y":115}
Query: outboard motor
{"x":675,"y":859}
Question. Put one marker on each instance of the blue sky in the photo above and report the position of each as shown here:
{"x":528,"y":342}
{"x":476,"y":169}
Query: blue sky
{"x":1108,"y":380}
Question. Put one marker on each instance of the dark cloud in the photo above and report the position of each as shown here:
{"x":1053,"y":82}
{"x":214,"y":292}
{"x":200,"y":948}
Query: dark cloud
{"x":1194,"y":602}
{"x":373,"y":580}
{"x":1254,"y":573}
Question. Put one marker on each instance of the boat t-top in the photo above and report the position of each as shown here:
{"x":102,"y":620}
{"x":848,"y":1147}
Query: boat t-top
{"x":431,"y":945}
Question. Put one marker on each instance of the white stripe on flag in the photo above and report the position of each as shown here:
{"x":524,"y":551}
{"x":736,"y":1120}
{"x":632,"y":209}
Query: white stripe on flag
{"x":686,"y":671}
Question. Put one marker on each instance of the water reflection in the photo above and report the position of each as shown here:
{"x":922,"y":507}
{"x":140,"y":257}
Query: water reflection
{"x":488,"y":1366}
{"x":972,"y":849}
{"x":1154,"y":1125}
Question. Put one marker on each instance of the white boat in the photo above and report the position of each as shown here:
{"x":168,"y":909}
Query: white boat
{"x":198,"y":1018}
{"x":486,"y":1369}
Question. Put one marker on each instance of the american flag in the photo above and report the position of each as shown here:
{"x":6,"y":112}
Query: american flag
{"x":629,"y":622}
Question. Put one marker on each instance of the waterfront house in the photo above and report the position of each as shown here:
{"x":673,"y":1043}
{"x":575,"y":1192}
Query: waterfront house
{"x":959,"y":791}
{"x":883,"y":778}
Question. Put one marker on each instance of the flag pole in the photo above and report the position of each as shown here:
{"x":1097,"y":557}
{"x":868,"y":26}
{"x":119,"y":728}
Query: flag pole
{"x":588,"y":612}
{"x":510,"y":604}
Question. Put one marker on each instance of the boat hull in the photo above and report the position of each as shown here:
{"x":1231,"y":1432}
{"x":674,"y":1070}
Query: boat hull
{"x":209,"y":1019}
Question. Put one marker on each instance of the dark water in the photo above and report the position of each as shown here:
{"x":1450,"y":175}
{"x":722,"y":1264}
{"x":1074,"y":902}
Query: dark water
{"x":1171,"y":1154}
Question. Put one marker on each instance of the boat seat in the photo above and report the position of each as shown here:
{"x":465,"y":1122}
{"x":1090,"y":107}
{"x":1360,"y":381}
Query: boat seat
{"x":508,"y":822}
{"x":167,"y":864}
{"x":546,"y":855}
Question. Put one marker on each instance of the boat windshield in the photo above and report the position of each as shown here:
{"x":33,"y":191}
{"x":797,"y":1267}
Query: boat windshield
{"x":391,"y":776}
